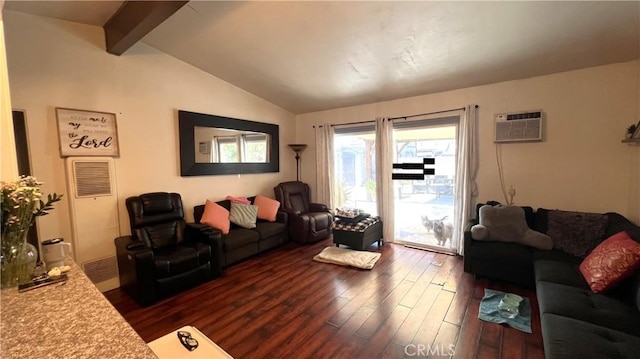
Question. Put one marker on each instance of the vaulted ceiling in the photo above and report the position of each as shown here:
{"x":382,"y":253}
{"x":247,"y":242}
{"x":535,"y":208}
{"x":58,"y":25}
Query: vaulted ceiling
{"x":311,"y":56}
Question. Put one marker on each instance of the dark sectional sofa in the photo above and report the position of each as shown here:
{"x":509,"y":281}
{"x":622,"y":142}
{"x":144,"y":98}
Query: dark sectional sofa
{"x":576,"y":322}
{"x":242,"y":243}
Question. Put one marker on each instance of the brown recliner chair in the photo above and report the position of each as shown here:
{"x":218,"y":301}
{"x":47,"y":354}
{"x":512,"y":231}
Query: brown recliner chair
{"x":164,"y":255}
{"x":308,"y":222}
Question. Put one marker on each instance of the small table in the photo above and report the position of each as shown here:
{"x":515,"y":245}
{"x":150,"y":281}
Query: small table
{"x":358,"y":235}
{"x":169,"y":346}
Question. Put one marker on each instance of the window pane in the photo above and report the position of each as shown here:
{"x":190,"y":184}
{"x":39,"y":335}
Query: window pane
{"x":228,"y":149}
{"x":354,"y":168}
{"x":255,"y":148}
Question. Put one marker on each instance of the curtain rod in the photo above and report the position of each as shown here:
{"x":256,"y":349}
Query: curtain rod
{"x":395,"y":118}
{"x":428,"y":113}
{"x":347,"y":124}
{"x":353,"y":123}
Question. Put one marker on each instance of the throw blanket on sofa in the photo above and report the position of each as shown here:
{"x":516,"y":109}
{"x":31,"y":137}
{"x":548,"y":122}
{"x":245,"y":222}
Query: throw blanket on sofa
{"x":508,"y":224}
{"x":348,"y":257}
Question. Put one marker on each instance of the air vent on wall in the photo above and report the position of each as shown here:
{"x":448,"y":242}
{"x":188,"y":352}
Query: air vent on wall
{"x":101,"y":270}
{"x":518,"y":126}
{"x":92,"y":179}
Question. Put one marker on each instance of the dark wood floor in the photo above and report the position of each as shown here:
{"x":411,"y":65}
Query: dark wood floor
{"x":285,"y":305}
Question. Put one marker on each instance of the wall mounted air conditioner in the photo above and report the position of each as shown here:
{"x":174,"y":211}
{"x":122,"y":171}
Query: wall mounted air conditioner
{"x":518,"y":126}
{"x":94,"y":218}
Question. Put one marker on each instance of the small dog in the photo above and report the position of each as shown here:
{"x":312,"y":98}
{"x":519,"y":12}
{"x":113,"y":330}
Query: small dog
{"x":443,"y":231}
{"x":428,"y":223}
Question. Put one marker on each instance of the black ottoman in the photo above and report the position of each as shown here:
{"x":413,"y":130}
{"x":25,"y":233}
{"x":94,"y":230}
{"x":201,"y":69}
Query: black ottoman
{"x":359,"y":235}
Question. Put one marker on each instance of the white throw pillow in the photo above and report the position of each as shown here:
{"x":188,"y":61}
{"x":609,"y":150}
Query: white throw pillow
{"x":508,"y":224}
{"x":244,"y":215}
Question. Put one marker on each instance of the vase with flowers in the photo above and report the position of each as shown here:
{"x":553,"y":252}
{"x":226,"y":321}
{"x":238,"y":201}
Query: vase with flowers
{"x":21,"y":204}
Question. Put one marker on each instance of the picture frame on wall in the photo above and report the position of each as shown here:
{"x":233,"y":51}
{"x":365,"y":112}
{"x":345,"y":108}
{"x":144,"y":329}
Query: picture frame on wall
{"x":87,"y":133}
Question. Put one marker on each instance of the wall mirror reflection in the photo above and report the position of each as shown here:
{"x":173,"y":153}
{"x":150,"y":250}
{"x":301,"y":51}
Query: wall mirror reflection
{"x":217,"y":145}
{"x":220,"y":145}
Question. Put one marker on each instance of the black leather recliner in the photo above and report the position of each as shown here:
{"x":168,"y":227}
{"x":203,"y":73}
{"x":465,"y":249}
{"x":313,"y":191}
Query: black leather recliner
{"x":308,"y":222}
{"x":164,"y":255}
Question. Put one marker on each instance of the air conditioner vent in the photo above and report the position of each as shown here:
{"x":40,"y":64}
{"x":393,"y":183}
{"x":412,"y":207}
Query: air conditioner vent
{"x":101,"y":270}
{"x":92,"y":179}
{"x":518,"y":127}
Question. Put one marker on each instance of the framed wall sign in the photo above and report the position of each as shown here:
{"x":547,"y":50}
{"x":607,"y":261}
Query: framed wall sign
{"x":87,"y":133}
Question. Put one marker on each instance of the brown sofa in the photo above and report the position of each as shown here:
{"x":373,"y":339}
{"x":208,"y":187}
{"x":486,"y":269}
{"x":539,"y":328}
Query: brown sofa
{"x":242,"y":243}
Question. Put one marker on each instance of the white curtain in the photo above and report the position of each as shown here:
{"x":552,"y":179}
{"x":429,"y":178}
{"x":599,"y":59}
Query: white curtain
{"x":384,"y":185}
{"x":466,"y":188}
{"x":324,"y":165}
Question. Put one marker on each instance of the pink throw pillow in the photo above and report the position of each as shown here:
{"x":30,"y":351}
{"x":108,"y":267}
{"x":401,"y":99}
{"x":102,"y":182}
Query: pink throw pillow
{"x":235,"y":199}
{"x":613,"y":260}
{"x":216,"y":216}
{"x":267,"y":208}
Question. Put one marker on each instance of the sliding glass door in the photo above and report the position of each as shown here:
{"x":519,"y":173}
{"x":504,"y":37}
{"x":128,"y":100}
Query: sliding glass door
{"x":424,"y":209}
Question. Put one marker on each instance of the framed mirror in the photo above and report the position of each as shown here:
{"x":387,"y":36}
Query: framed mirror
{"x":217,"y":145}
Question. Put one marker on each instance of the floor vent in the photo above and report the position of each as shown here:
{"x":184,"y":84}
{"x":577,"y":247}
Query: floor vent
{"x":101,"y":270}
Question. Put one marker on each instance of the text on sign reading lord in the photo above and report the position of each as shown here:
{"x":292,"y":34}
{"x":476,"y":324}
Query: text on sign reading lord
{"x":87,"y":133}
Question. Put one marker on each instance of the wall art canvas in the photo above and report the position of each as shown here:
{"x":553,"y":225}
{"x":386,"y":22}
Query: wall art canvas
{"x":87,"y":133}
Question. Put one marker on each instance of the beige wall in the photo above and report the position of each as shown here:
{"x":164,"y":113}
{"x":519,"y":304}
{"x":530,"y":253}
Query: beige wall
{"x":581,"y":165}
{"x":9,"y":162}
{"x":55,"y":63}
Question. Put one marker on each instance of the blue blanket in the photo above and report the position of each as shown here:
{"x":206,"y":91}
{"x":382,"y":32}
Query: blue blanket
{"x":489,"y":311}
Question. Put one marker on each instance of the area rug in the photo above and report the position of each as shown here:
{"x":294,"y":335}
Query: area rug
{"x":348,"y":257}
{"x":489,"y":311}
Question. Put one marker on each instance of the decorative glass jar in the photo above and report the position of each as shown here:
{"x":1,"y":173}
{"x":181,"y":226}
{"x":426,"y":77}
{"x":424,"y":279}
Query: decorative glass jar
{"x":18,"y":259}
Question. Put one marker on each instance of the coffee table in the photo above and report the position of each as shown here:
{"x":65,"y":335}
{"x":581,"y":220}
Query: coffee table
{"x":169,"y":346}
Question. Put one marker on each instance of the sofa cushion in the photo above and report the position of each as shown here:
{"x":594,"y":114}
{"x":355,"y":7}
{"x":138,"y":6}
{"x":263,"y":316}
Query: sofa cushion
{"x":176,"y":260}
{"x":628,"y":290}
{"x":556,"y":255}
{"x":239,"y":237}
{"x":618,"y":223}
{"x":529,"y":214}
{"x":238,"y":199}
{"x":613,"y":260}
{"x":633,"y":285}
{"x":508,"y":224}
{"x":583,"y":304}
{"x":570,"y":338}
{"x":559,"y":267}
{"x":244,"y":215}
{"x":270,"y":229}
{"x":576,"y":233}
{"x":511,"y":253}
{"x":216,"y":216}
{"x":267,"y":207}
{"x":506,"y":261}
{"x":560,"y":272}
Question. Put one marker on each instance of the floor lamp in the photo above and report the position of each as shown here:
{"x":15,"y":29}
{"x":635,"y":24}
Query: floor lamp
{"x":297,"y":148}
